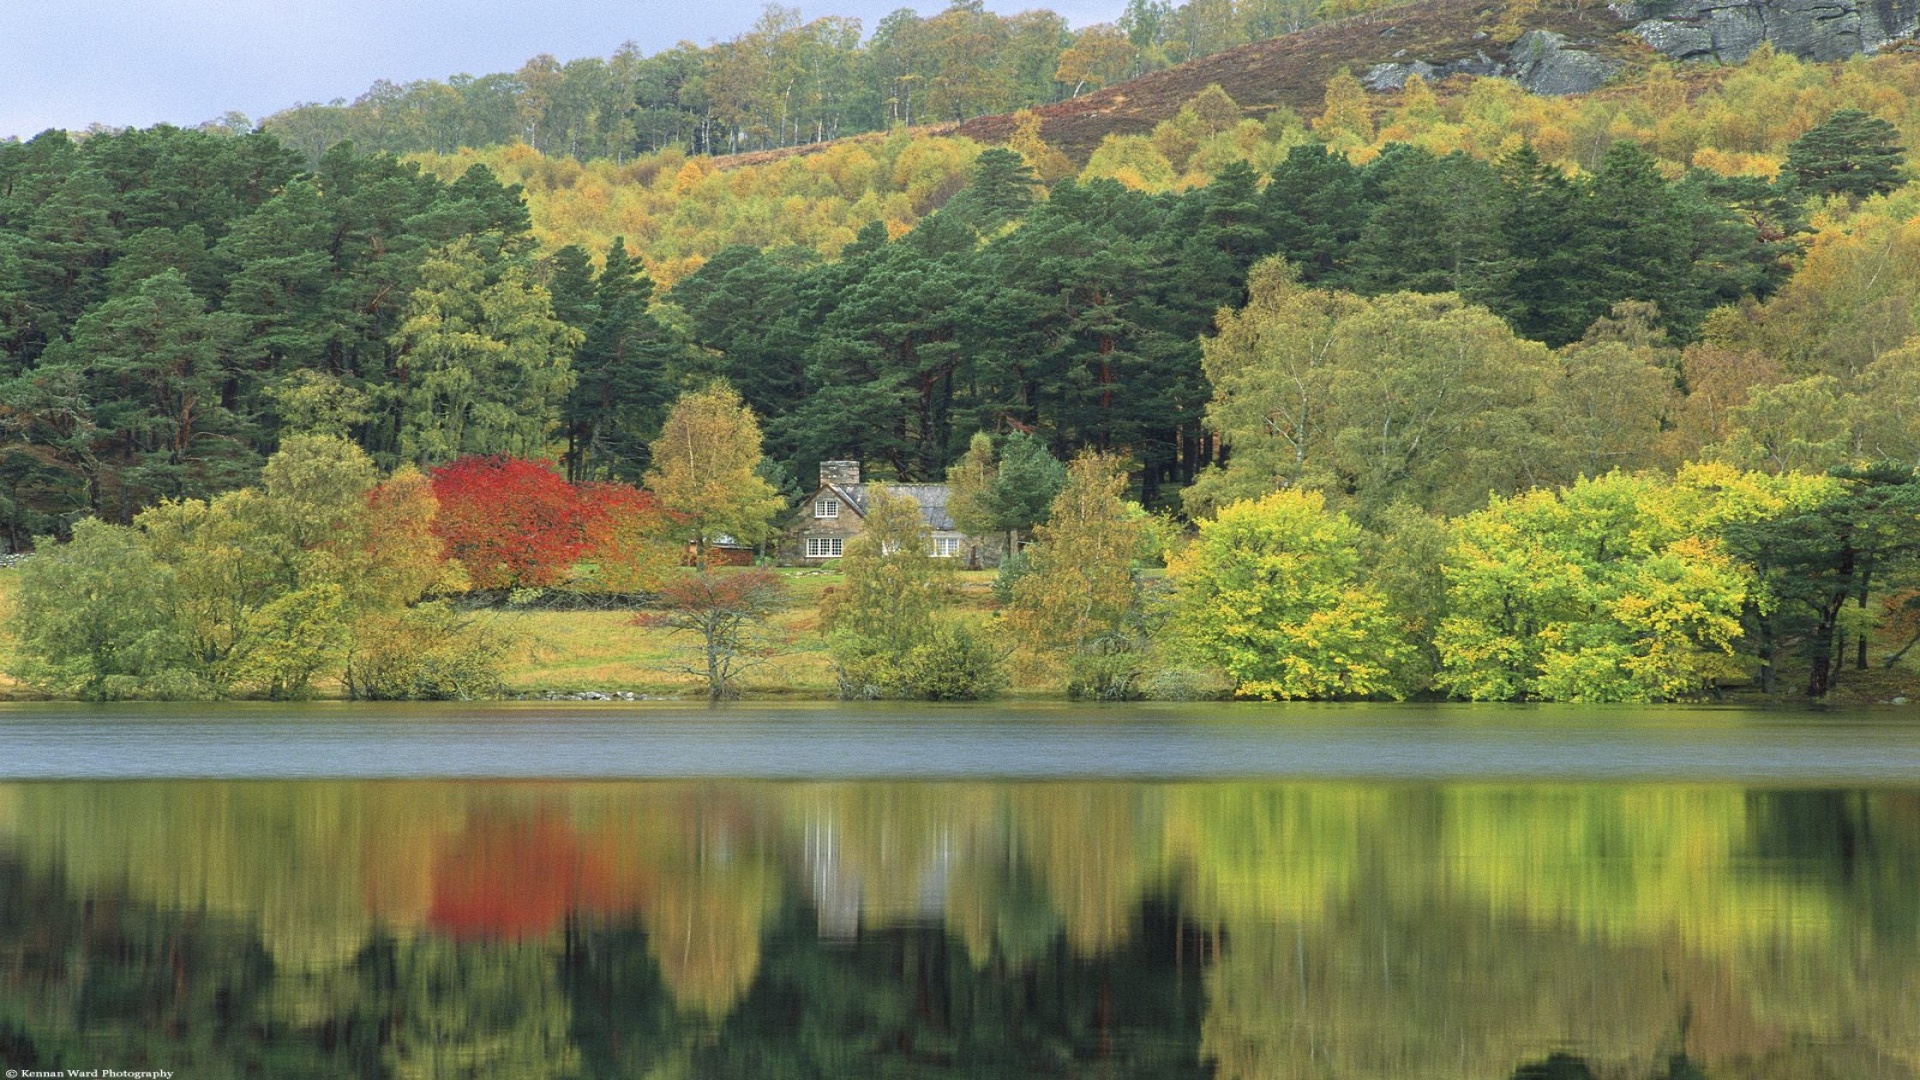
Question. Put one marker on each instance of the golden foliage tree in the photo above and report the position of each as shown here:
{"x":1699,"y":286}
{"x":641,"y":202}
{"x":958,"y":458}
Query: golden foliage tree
{"x":1078,"y":596}
{"x":705,"y":470}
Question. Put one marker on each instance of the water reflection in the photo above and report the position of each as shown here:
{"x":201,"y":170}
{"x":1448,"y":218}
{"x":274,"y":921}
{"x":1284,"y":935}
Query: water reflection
{"x":1258,"y":930}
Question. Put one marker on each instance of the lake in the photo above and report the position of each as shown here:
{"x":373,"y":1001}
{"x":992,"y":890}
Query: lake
{"x":526,"y":890}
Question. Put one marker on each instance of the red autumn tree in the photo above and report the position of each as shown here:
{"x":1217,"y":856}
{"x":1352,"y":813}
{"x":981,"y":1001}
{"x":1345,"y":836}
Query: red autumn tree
{"x":513,"y":523}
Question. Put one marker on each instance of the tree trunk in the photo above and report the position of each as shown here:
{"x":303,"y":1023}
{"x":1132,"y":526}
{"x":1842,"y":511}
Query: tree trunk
{"x":1860,"y":641}
{"x":1820,"y":679}
{"x":1767,"y":650}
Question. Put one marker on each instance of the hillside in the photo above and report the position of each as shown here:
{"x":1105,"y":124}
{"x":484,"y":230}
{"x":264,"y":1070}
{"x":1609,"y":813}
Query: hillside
{"x":1550,"y":50}
{"x":1446,"y":37}
{"x":1436,"y":38}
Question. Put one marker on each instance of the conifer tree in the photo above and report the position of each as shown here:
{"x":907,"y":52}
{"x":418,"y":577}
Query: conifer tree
{"x":1000,"y":190}
{"x":1849,"y":153}
{"x":620,"y":393}
{"x":1007,"y":490}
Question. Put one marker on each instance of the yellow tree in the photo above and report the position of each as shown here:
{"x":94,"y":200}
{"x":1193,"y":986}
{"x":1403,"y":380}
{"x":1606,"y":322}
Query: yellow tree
{"x":1100,"y":56}
{"x":1346,"y":111}
{"x":705,"y":470}
{"x":1077,"y":606}
{"x":1272,"y":594}
{"x":1027,"y":141}
{"x":1613,"y":589}
{"x":1133,"y":160}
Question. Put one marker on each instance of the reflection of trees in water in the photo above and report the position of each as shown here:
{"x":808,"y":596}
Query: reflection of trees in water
{"x":1275,"y":929}
{"x":179,"y":990}
{"x":1453,"y":931}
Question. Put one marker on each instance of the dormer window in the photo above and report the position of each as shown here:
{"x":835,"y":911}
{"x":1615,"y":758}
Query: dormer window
{"x":826,"y":508}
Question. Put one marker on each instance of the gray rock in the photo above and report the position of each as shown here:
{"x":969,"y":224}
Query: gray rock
{"x":1729,"y":30}
{"x":1682,"y":41}
{"x":1724,"y":30}
{"x":1394,"y":76}
{"x":1542,"y":63}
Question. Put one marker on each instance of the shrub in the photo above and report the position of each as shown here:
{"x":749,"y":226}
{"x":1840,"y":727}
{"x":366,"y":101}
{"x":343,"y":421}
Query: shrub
{"x":94,"y":618}
{"x":948,"y":661}
{"x":428,"y":653}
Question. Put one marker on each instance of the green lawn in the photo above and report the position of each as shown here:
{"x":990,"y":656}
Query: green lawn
{"x":603,"y":650}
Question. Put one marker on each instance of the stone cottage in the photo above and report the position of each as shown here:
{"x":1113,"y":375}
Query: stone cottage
{"x":838,"y":509}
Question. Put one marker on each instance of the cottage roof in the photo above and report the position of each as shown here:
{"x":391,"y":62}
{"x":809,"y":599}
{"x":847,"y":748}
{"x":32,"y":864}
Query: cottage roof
{"x":931,"y":497}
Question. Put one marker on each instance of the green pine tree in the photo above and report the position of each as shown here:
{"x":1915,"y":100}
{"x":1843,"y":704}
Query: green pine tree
{"x":1849,"y":153}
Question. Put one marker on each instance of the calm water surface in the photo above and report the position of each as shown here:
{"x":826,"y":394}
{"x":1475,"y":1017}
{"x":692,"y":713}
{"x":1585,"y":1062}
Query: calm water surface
{"x":809,"y":892}
{"x":545,"y":741}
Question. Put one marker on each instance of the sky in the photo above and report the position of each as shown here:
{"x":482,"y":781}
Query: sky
{"x":71,"y":63}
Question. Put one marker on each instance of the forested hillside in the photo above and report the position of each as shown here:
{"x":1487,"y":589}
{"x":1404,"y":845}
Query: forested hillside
{"x":792,"y":81}
{"x":676,"y":211}
{"x":1680,"y":310}
{"x":160,"y":341}
{"x":176,"y":300}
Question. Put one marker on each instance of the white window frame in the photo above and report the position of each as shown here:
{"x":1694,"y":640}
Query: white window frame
{"x":825,"y":547}
{"x":826,"y":508}
{"x":946,"y":547}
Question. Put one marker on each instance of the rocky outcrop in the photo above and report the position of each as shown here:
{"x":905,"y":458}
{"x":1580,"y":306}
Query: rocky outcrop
{"x":1728,"y":30}
{"x":1572,"y":46}
{"x":1394,"y":76}
{"x":1540,"y":61}
{"x":1722,"y":30}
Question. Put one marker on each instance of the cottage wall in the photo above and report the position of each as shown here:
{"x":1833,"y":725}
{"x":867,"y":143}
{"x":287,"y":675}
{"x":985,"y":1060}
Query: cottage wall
{"x":814,"y":538}
{"x":843,"y":528}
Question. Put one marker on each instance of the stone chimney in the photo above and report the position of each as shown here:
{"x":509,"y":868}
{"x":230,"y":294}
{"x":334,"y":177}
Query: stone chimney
{"x":841,"y":474}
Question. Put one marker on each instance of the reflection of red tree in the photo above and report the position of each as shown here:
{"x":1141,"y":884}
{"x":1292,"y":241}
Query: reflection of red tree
{"x":510,"y":876}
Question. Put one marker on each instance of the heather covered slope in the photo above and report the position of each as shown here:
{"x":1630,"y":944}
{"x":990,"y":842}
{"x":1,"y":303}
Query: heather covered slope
{"x":1291,"y":71}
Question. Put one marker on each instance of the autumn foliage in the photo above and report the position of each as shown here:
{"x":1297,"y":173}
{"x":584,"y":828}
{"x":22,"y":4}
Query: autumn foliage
{"x":517,"y":523}
{"x":510,"y":876}
{"x":625,"y":530}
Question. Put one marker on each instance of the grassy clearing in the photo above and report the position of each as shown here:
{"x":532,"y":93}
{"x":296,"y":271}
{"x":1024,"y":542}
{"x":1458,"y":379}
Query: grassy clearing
{"x":565,"y":651}
{"x":570,"y":651}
